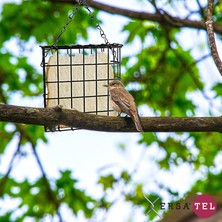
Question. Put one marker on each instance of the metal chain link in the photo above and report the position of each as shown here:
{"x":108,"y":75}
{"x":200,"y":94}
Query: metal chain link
{"x":102,"y":33}
{"x":70,"y":18}
{"x":68,"y":21}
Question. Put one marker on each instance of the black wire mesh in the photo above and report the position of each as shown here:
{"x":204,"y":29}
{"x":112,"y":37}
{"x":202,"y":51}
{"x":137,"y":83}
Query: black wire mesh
{"x":74,"y":76}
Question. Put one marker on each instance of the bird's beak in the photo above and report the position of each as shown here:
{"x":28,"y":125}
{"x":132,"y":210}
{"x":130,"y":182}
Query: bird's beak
{"x":105,"y":85}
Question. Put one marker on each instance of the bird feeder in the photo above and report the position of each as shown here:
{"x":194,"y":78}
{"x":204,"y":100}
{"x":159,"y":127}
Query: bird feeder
{"x":74,"y":76}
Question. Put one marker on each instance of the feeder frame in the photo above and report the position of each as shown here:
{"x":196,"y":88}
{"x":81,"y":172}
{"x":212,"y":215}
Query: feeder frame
{"x":111,"y":64}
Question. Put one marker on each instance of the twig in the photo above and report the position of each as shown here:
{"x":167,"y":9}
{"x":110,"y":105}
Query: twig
{"x":156,"y":17}
{"x":11,"y":164}
{"x":201,"y":8}
{"x":50,"y":193}
{"x":212,"y":42}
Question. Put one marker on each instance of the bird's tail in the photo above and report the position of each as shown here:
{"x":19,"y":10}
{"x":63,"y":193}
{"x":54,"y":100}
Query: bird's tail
{"x":137,"y":123}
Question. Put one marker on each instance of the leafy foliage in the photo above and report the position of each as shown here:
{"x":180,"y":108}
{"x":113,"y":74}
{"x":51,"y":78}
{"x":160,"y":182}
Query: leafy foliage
{"x":75,"y":198}
{"x":36,"y":200}
{"x":168,"y":64}
{"x":212,"y":183}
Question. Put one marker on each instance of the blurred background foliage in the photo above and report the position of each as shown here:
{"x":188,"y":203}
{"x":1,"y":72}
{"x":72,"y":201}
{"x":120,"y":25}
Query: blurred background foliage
{"x":163,"y":76}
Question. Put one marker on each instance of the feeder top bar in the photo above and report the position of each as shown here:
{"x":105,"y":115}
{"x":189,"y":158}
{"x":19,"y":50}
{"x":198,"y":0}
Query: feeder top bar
{"x":90,"y":46}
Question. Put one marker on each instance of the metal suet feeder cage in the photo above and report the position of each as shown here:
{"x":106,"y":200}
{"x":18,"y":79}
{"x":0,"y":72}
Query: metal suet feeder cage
{"x":74,"y":75}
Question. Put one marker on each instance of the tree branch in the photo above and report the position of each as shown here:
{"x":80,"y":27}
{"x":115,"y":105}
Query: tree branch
{"x":51,"y":195}
{"x":210,"y":31}
{"x":165,"y":18}
{"x":10,"y":167}
{"x":49,"y":191}
{"x":54,"y":116}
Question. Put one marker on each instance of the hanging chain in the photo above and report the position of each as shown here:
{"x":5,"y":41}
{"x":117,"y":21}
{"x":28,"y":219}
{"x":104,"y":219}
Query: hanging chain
{"x":68,"y":21}
{"x":70,"y":18}
{"x":102,"y":33}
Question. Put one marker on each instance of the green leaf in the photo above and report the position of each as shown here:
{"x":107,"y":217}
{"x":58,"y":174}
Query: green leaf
{"x":176,"y":151}
{"x":125,"y":176}
{"x":147,"y":138}
{"x":6,"y":135}
{"x":211,"y":184}
{"x":218,"y":89}
{"x":107,"y":181}
{"x":75,"y":198}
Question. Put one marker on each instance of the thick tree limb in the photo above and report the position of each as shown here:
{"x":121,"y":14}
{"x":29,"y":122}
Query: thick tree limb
{"x":163,"y":18}
{"x":210,"y":31}
{"x":54,"y":116}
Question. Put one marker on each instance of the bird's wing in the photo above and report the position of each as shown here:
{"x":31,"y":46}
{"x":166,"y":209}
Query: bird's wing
{"x":121,"y":98}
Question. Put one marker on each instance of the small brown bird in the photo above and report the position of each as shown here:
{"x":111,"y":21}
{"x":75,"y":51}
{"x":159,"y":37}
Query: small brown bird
{"x":122,"y":101}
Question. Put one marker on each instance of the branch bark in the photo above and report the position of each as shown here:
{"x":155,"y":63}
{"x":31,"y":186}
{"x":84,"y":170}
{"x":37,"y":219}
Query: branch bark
{"x":212,"y":42}
{"x":51,"y":117}
{"x":164,"y":18}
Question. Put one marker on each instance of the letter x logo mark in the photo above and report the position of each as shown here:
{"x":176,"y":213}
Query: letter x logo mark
{"x":152,"y":206}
